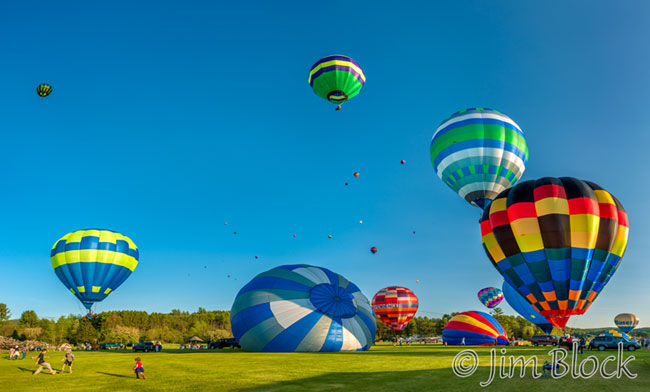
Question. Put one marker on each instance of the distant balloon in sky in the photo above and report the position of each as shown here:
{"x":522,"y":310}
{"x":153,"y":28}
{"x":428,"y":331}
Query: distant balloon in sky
{"x":336,"y":78}
{"x":43,"y":90}
{"x":490,"y":297}
{"x":329,"y":236}
{"x":402,"y":161}
{"x":626,"y":322}
{"x":478,"y":153}
{"x":360,"y":221}
{"x":225,"y":223}
{"x":294,"y":236}
{"x":557,"y":241}
{"x":346,"y":184}
{"x":373,"y":250}
{"x":93,"y":263}
{"x":302,"y":308}
{"x":356,"y":174}
{"x":234,"y":232}
{"x":257,"y":257}
{"x":395,"y":306}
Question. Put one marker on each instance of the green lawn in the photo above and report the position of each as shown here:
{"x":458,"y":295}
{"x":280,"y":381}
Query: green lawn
{"x":384,"y":368}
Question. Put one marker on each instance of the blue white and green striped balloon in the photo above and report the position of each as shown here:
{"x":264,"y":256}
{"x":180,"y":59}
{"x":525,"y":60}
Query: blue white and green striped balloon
{"x":302,"y":308}
{"x":478,"y":153}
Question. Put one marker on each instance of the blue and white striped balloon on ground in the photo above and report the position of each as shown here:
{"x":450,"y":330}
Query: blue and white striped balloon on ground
{"x":302,"y":308}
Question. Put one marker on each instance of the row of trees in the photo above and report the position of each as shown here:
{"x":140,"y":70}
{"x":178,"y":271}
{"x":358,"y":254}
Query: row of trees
{"x":133,"y":326}
{"x":117,"y":326}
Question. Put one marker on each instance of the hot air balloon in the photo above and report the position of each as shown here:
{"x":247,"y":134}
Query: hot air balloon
{"x":395,"y":306}
{"x":525,"y":309}
{"x":302,"y":308}
{"x":329,"y":236}
{"x":490,"y":296}
{"x":474,"y":329}
{"x":615,"y":333}
{"x":373,"y":250}
{"x":626,"y":322}
{"x":93,"y":263}
{"x":558,"y":241}
{"x":402,"y":161}
{"x":478,"y":153}
{"x":336,"y":78}
{"x":355,"y":174}
{"x":43,"y":90}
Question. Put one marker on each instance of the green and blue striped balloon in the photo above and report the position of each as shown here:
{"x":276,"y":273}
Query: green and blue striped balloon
{"x":302,"y":308}
{"x":336,"y":78}
{"x":478,"y":153}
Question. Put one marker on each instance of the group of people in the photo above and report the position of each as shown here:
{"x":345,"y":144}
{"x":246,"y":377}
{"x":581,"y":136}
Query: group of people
{"x":67,"y":360}
{"x":15,"y":353}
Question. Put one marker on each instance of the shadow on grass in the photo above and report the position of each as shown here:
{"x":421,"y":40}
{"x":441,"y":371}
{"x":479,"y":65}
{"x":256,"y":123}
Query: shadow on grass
{"x":114,"y":375}
{"x":26,"y":370}
{"x":410,"y":380}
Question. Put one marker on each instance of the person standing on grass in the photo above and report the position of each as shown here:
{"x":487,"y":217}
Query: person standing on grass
{"x":68,"y":358}
{"x":41,"y":363}
{"x":24,"y":351}
{"x":138,"y":369}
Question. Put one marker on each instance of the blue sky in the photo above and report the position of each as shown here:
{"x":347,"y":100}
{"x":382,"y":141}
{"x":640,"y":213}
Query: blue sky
{"x":168,"y":119}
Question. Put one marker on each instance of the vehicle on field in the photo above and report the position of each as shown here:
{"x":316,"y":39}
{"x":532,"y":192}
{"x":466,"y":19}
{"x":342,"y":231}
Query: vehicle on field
{"x":147,"y":346}
{"x":602,"y":343}
{"x":543,"y":340}
{"x":222,"y":343}
{"x":109,"y":346}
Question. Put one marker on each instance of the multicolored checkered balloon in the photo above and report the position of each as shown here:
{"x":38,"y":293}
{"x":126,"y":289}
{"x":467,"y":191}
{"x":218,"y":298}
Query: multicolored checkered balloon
{"x":558,"y":241}
{"x":490,"y":296}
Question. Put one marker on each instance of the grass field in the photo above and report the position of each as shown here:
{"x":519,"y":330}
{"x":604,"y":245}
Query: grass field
{"x":383,"y":368}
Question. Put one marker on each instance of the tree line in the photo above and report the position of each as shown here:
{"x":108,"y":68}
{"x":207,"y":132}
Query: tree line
{"x":122,"y":326}
{"x":126,"y":326}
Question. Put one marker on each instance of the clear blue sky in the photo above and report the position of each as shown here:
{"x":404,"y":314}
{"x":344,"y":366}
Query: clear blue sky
{"x":170,"y":118}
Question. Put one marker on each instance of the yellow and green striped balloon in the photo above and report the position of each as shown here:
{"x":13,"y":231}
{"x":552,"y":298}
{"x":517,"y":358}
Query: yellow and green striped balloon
{"x":92,"y":263}
{"x":336,"y":78}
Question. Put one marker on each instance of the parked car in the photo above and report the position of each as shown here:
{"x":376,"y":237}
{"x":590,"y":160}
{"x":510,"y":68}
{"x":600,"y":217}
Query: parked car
{"x":221,"y":343}
{"x":109,"y":346}
{"x":602,"y":343}
{"x":544,"y":340}
{"x":146,"y":347}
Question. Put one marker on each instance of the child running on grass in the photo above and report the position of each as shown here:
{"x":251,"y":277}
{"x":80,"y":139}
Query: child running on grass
{"x":138,"y":369}
{"x":41,"y":363}
{"x":67,"y":360}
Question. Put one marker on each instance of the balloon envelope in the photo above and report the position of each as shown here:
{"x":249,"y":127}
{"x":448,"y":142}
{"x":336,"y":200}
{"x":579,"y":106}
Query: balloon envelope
{"x":490,"y":296}
{"x":43,"y":90}
{"x":479,"y":152}
{"x":336,"y":78}
{"x":302,"y":308}
{"x":477,"y":328}
{"x":626,"y":322}
{"x":558,"y":241}
{"x":525,"y":309}
{"x":395,"y":306}
{"x":93,"y":263}
{"x":615,"y":333}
